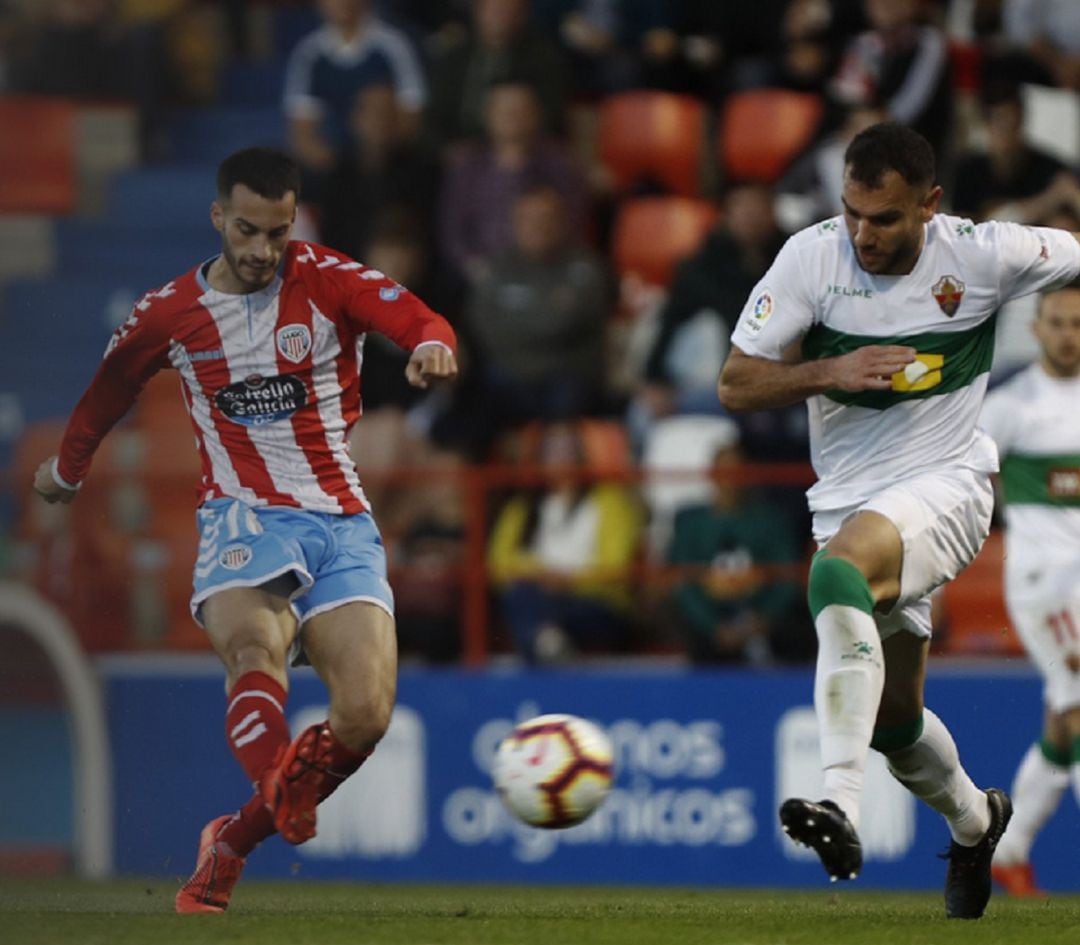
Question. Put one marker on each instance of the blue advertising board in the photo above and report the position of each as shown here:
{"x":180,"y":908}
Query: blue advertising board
{"x":703,"y":759}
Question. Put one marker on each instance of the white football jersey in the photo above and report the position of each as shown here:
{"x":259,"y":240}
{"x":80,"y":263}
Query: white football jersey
{"x":1032,"y":418}
{"x":945,"y":308}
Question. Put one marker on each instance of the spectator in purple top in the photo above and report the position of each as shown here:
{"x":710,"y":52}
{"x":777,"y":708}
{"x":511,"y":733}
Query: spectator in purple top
{"x":328,"y":67}
{"x":485,"y":181}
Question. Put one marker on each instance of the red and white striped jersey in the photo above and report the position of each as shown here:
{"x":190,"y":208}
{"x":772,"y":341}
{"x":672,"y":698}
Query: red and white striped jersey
{"x":271,"y":378}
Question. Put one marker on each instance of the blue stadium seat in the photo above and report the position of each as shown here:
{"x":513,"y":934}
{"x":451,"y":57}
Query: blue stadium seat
{"x":209,"y":134}
{"x":53,"y":333}
{"x":253,"y":83}
{"x":291,"y":24}
{"x":143,"y":254}
{"x":164,"y":195}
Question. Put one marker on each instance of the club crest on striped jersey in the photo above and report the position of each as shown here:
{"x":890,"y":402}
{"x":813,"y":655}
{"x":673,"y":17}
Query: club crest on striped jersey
{"x":294,"y":342}
{"x":948,"y":292}
{"x":234,"y":557}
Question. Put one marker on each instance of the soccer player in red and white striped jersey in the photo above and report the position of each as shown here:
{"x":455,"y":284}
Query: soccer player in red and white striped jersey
{"x":267,"y":338}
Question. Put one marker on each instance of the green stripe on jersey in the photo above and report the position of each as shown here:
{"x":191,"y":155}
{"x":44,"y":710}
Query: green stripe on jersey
{"x":956,"y":359}
{"x":1041,"y":480}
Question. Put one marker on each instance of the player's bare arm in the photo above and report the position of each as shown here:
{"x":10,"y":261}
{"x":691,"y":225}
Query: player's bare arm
{"x":46,"y":486}
{"x":430,"y":362}
{"x":753,"y":383}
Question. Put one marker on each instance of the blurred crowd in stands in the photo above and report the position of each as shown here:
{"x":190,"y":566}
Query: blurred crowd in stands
{"x":470,"y":149}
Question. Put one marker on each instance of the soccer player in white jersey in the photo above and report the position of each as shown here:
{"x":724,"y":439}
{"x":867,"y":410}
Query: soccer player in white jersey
{"x":1033,"y":420}
{"x":883,"y":320}
{"x":267,"y":337}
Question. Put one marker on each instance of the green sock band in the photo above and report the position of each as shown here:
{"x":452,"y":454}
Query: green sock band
{"x":889,"y":738}
{"x":836,"y":581}
{"x":1056,"y":756}
{"x":1076,"y":750}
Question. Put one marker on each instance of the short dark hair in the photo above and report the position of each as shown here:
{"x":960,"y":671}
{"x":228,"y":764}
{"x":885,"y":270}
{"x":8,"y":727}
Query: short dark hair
{"x":266,"y":171}
{"x":1001,"y":92}
{"x":890,"y":146}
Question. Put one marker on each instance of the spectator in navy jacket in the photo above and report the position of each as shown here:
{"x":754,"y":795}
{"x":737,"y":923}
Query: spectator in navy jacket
{"x":352,"y":50}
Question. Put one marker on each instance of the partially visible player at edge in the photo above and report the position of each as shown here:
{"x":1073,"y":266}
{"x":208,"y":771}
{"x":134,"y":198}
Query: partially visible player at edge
{"x":1032,"y":418}
{"x":883,"y":320}
{"x":267,"y":338}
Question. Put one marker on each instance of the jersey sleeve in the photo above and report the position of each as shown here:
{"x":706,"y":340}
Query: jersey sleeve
{"x":137,"y":350}
{"x":779,"y":309}
{"x":1033,"y":258}
{"x":372,"y":301}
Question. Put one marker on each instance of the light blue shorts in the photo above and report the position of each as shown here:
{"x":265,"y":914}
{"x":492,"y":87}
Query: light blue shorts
{"x":336,"y":559}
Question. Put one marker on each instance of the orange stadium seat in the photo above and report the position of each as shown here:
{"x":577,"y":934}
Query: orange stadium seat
{"x":607,"y":446}
{"x":762,"y":130}
{"x":976,"y":619}
{"x":652,"y":136}
{"x":652,"y":234}
{"x":161,"y":404}
{"x":37,"y":155}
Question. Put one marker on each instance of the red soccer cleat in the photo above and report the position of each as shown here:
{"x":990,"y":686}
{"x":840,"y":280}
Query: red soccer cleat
{"x":216,"y":872}
{"x":1017,"y":879}
{"x":293,"y":786}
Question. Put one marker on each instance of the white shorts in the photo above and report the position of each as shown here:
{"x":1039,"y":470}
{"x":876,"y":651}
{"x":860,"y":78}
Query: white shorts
{"x":1050,"y":632}
{"x":943,"y":518}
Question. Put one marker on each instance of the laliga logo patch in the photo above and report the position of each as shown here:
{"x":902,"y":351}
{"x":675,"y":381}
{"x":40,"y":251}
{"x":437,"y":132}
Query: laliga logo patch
{"x":294,"y":342}
{"x":760,"y":312}
{"x":234,"y":557}
{"x":948,"y":292}
{"x":390,"y":293}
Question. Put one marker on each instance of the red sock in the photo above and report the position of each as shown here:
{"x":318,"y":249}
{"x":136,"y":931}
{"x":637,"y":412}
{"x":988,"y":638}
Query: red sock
{"x":341,"y":763}
{"x":255,"y":722}
{"x":252,"y":824}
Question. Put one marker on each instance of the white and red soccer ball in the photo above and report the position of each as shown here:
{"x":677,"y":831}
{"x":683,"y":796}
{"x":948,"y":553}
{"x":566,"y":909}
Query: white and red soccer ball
{"x":554,"y":770}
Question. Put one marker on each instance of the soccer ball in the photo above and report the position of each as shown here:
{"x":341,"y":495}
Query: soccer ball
{"x":553,"y":771}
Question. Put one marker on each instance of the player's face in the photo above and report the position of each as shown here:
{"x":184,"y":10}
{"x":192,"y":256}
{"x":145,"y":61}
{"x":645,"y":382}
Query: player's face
{"x":1058,"y":330}
{"x":254,"y":233}
{"x":886,"y":222}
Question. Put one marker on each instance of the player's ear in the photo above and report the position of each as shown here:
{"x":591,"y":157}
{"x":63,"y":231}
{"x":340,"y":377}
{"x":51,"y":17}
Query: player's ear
{"x":931,"y":203}
{"x":217,"y":216}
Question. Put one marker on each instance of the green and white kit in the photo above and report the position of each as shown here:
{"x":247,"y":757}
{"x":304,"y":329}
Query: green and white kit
{"x":899,"y":449}
{"x":1033,"y":420}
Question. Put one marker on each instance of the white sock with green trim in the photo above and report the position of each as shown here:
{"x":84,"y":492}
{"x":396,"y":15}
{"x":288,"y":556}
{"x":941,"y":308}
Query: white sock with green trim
{"x":1037,"y":790}
{"x":848,"y":680}
{"x":931,"y":770}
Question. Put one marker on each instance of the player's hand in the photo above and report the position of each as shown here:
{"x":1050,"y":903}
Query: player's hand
{"x":46,"y":486}
{"x":430,"y":362}
{"x":870,"y":367}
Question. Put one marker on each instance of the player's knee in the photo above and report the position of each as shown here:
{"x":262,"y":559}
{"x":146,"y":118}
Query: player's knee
{"x":253,"y":654}
{"x":361,"y":716}
{"x":835,"y":580}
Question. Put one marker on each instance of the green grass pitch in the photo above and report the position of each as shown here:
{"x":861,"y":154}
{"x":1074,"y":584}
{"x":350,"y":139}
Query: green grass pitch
{"x":132,"y":912}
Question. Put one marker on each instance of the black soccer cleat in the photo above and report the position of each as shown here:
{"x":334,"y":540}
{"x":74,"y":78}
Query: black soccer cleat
{"x":827,"y":831}
{"x":967,"y":881}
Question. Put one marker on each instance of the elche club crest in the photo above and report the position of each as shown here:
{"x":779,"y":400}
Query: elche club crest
{"x":294,"y":342}
{"x":948,"y":292}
